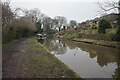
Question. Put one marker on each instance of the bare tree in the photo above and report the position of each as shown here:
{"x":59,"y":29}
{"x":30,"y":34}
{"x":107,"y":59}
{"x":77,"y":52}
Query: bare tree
{"x":60,"y":21}
{"x":11,"y":24}
{"x":109,"y":6}
{"x":7,"y":17}
{"x":7,"y":14}
{"x":72,"y":23}
{"x":36,"y":14}
{"x":33,"y":14}
{"x":46,"y":23}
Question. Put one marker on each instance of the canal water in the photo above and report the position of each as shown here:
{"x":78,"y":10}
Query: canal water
{"x":89,"y":61}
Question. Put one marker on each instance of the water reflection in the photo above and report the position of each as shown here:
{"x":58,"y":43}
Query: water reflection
{"x":56,"y":46}
{"x":90,"y":61}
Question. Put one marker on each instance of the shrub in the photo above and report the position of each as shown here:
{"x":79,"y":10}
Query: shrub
{"x":103,"y":25}
{"x":19,"y":28}
{"x":94,"y":26}
{"x":74,"y":35}
{"x":116,"y":37}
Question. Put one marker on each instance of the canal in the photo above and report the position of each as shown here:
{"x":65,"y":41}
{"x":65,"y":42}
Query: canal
{"x":88,"y":60}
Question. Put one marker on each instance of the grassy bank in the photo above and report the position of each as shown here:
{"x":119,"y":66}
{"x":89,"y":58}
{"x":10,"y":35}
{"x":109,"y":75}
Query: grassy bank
{"x":111,"y":44}
{"x":97,"y":39}
{"x":43,"y":64}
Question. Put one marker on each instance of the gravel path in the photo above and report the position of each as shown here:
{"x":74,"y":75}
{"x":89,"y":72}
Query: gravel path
{"x":13,"y":59}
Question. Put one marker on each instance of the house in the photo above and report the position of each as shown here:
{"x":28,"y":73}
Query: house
{"x":110,"y":17}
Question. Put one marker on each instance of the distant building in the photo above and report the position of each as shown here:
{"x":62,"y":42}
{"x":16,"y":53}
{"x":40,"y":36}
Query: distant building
{"x":110,"y":17}
{"x":84,"y":25}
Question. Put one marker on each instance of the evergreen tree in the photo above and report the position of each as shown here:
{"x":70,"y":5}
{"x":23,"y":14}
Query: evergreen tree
{"x":103,"y":25}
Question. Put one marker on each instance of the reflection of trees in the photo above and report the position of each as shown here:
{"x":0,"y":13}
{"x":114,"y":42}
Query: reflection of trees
{"x":83,"y":47}
{"x":104,"y":55}
{"x":56,"y":46}
{"x":116,"y":73}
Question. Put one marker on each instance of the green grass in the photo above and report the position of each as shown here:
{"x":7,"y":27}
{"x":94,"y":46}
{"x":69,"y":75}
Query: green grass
{"x":95,"y":31}
{"x":111,"y":31}
{"x":89,"y":31}
{"x":43,"y":64}
{"x":74,"y":35}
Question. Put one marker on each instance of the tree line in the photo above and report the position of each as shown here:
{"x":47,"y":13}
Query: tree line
{"x":18,"y":23}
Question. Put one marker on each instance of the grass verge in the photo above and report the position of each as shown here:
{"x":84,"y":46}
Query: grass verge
{"x":111,"y":44}
{"x":42,"y":64}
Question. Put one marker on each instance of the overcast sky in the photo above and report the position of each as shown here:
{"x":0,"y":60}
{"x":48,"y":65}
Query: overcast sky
{"x":71,"y":9}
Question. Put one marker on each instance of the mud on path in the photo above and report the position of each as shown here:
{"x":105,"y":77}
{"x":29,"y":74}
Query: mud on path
{"x":13,"y":59}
